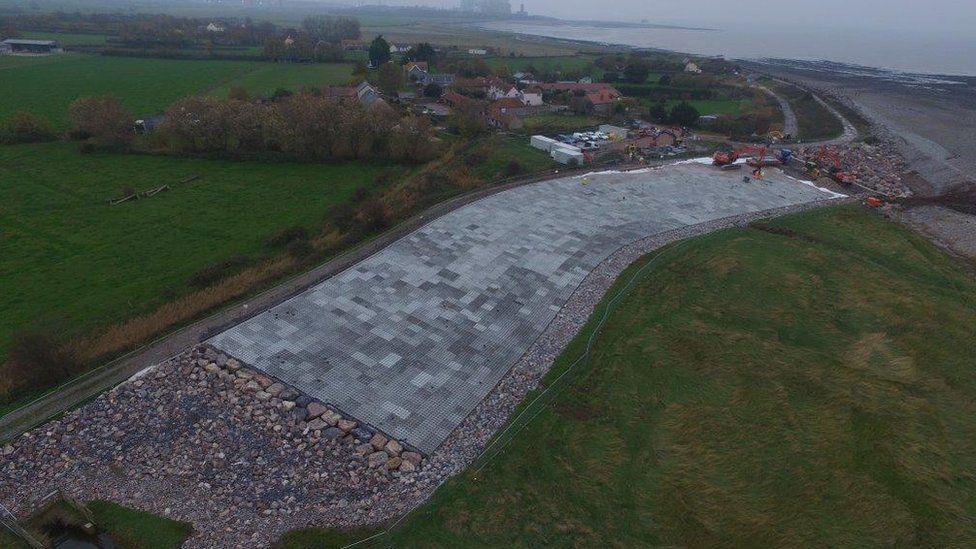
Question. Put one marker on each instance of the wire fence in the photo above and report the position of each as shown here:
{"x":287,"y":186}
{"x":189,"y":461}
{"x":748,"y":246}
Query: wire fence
{"x":10,"y":522}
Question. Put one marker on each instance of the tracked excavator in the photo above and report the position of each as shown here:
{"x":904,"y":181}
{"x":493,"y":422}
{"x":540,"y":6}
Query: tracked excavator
{"x":835,"y":169}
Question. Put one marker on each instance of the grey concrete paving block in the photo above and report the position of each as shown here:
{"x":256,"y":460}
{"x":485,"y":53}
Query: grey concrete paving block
{"x":411,"y":339}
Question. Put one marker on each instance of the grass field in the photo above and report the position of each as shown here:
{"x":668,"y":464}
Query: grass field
{"x":128,"y":528}
{"x":265,"y":78}
{"x":136,"y":529}
{"x":72,"y":257}
{"x":807,"y":382}
{"x":499,"y":151}
{"x":47,"y":85}
{"x":562,"y":63}
{"x":718,"y":106}
{"x":553,"y":122}
{"x":69,"y":39}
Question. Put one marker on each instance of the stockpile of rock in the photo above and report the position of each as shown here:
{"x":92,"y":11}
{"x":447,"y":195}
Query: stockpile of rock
{"x":877,"y":167}
{"x":204,"y":439}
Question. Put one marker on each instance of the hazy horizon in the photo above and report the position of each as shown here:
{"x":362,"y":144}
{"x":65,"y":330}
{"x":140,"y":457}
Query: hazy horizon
{"x":955,"y":16}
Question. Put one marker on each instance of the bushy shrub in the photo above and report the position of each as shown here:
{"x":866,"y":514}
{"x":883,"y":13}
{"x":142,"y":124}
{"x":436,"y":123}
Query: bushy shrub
{"x":304,"y":127}
{"x":25,"y":127}
{"x":37,"y":359}
{"x":512,"y":169}
{"x":372,"y":216}
{"x":101,"y":121}
{"x":287,"y":236}
{"x":211,"y":274}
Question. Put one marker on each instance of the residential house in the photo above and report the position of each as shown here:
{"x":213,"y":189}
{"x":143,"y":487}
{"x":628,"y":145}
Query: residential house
{"x":349,"y":44}
{"x":5,"y":49}
{"x":341,"y":93}
{"x":526,"y":78}
{"x":441,"y":79}
{"x":367,"y":94}
{"x":454,"y":99}
{"x":692,"y":68}
{"x":503,"y":114}
{"x":500,"y":89}
{"x":576,"y":86}
{"x":415,"y":70}
{"x":477,"y":84}
{"x":477,"y":51}
{"x":604,"y":99}
{"x":531,"y":99}
{"x":214,"y":27}
{"x":602,"y":96}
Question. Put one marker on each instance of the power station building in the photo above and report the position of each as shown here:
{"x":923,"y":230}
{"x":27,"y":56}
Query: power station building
{"x":493,"y":7}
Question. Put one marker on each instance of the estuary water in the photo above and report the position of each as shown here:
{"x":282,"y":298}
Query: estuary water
{"x":904,"y":51}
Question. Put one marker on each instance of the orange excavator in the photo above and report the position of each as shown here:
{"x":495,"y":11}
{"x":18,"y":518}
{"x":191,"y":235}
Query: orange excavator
{"x":835,"y":172}
{"x":724,"y":158}
{"x":757,"y":158}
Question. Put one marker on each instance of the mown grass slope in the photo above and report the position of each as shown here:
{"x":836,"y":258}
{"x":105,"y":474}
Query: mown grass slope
{"x":807,"y":383}
{"x":66,"y":254}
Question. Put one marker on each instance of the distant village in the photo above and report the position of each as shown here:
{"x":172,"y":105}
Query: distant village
{"x":503,"y":103}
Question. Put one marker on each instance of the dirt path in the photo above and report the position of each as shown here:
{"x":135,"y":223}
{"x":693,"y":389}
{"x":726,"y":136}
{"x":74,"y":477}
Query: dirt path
{"x":850,"y":132}
{"x":790,"y":126}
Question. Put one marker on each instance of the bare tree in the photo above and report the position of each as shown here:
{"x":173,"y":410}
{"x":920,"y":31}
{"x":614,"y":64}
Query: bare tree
{"x":100,"y":120}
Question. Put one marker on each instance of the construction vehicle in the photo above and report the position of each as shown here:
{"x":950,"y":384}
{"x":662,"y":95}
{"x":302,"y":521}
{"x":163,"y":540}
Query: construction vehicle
{"x":677,"y":141}
{"x":835,"y":171}
{"x":724,"y":158}
{"x":633,"y":151}
{"x":758,"y":158}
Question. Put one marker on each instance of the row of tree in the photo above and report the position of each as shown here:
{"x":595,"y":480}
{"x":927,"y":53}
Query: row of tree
{"x":302,"y":126}
{"x":682,"y":114}
{"x":318,"y":38}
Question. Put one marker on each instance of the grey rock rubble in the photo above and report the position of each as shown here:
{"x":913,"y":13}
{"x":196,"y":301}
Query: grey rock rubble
{"x":245,"y":458}
{"x":878,"y":167}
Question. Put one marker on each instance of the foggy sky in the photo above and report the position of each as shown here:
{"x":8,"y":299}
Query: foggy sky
{"x":957,"y":16}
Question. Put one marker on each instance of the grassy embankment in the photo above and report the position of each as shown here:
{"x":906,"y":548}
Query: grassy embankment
{"x":813,"y":120}
{"x":807,"y":382}
{"x":494,"y":155}
{"x":47,"y":85}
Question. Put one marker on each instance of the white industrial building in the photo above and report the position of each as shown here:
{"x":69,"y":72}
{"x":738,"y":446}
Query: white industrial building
{"x":566,"y":154}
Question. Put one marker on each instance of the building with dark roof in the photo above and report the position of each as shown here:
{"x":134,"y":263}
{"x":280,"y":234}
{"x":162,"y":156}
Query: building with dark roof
{"x":32,"y":47}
